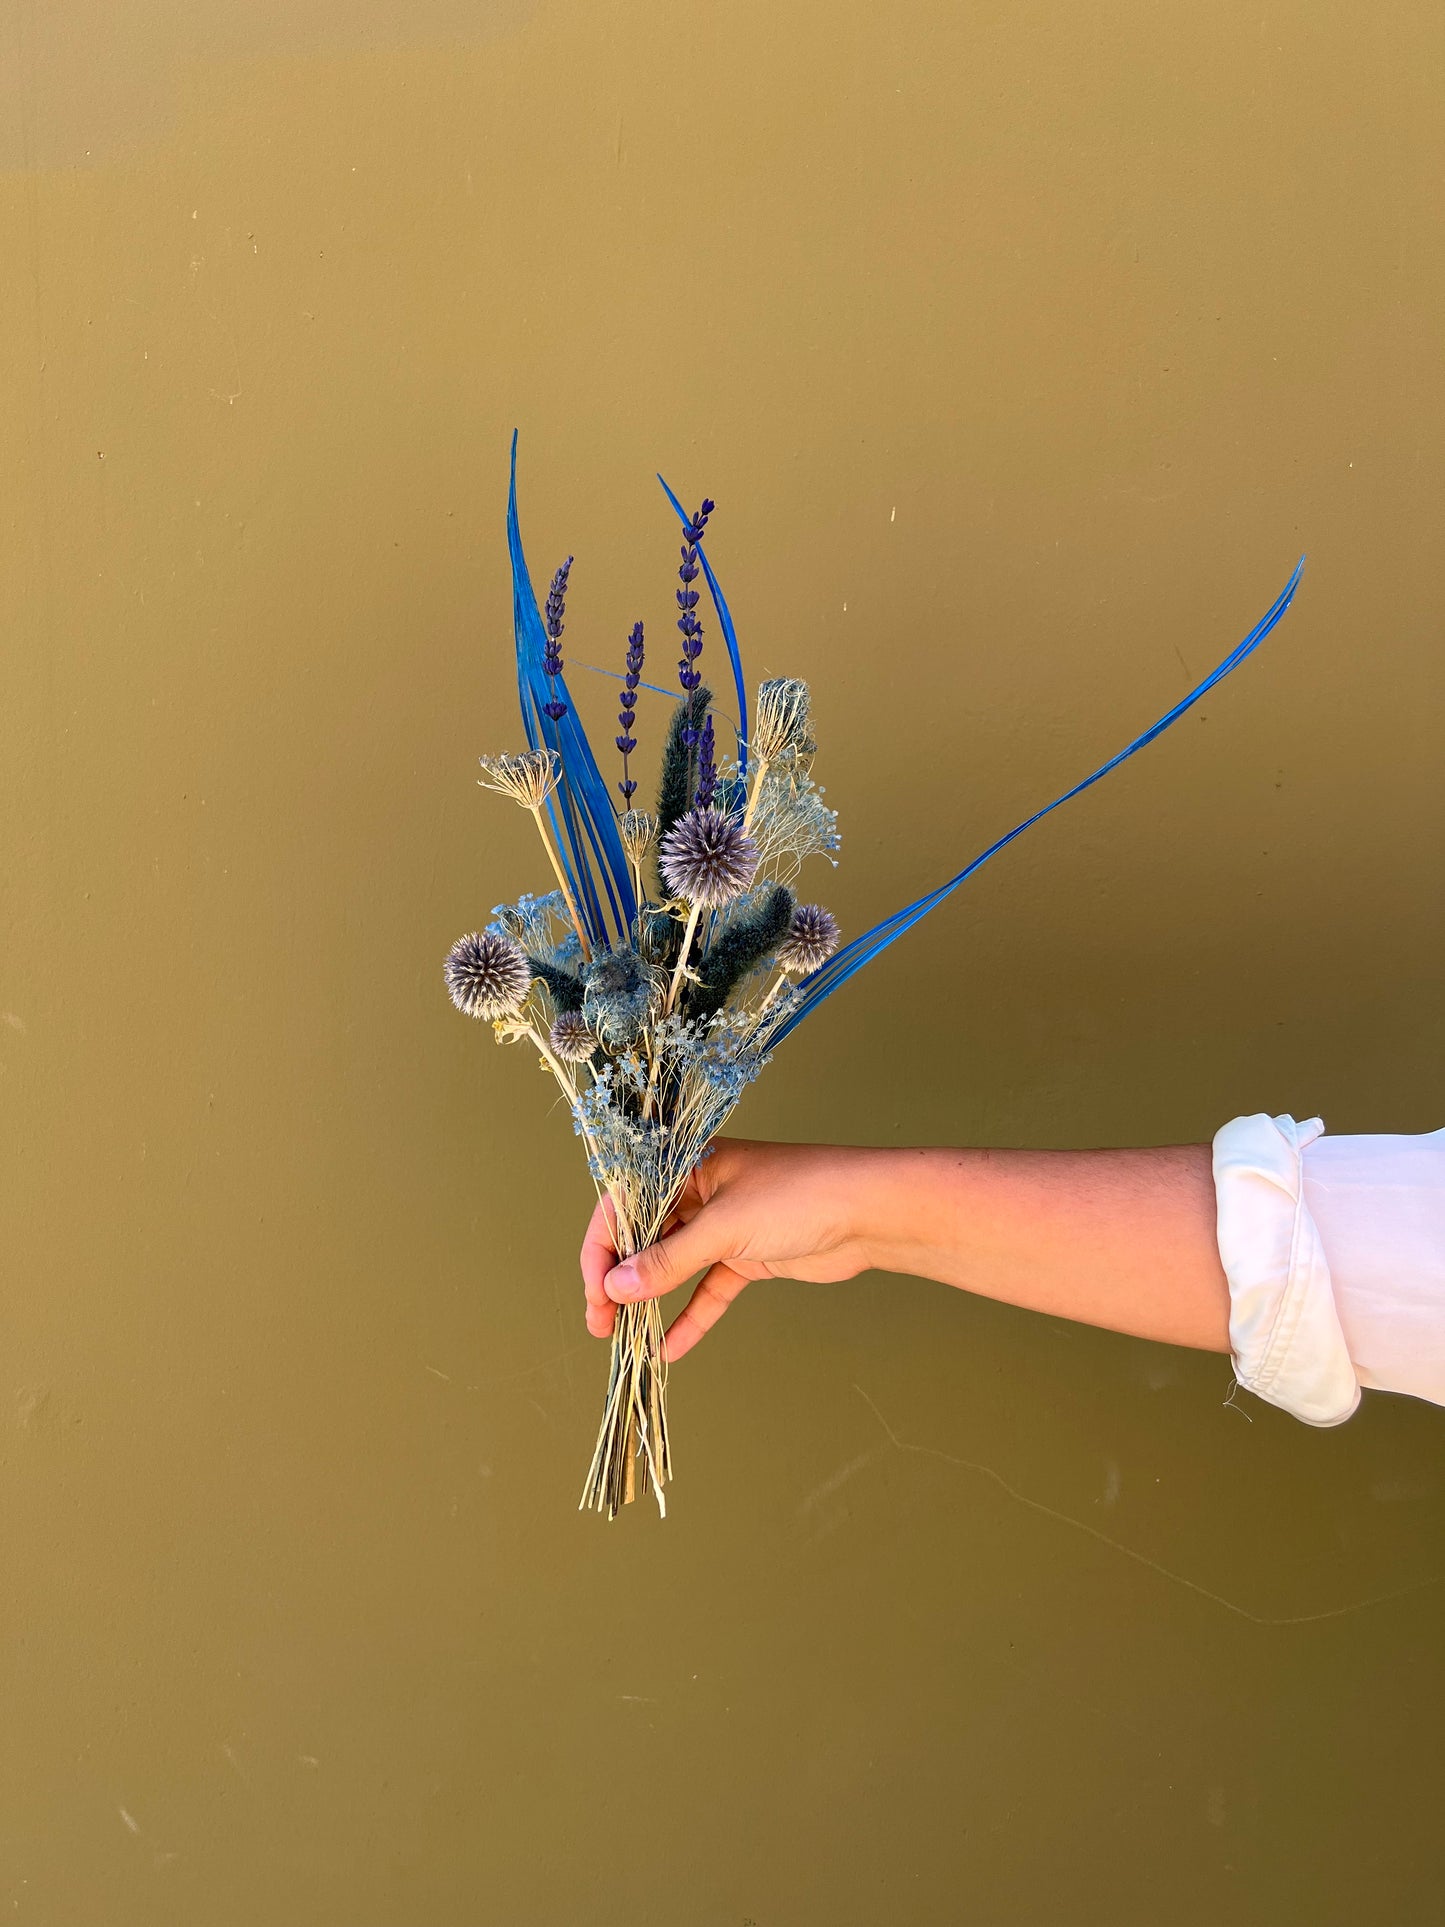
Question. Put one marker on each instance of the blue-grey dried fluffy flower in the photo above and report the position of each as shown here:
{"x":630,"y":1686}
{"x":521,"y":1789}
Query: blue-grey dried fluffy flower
{"x":572,"y":1037}
{"x":811,"y":941}
{"x":708,"y":858}
{"x":619,"y":991}
{"x":487,"y":974}
{"x":657,"y":933}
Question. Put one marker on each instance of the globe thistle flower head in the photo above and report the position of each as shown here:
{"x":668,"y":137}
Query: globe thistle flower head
{"x":783,"y":722}
{"x":708,"y":858}
{"x":572,"y":1038}
{"x":529,"y":779}
{"x":619,"y":994}
{"x":811,"y":939}
{"x":487,"y":974}
{"x":637,"y":829}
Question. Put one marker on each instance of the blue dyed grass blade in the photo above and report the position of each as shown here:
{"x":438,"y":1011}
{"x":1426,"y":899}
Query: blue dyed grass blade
{"x":730,"y":634}
{"x":581,"y":813}
{"x":862,"y":950}
{"x":617,"y":676}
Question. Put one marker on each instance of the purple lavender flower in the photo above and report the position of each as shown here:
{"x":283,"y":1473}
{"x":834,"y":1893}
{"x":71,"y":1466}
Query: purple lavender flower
{"x":552,"y":623}
{"x":687,"y":598}
{"x":706,"y":766}
{"x":627,"y":715}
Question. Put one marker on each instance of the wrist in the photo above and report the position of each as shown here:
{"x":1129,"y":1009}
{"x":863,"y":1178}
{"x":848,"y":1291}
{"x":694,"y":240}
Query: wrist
{"x":894,"y":1198}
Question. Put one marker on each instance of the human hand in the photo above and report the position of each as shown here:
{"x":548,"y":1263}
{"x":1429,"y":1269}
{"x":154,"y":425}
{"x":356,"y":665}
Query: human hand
{"x":1123,"y":1238}
{"x":749,"y":1211}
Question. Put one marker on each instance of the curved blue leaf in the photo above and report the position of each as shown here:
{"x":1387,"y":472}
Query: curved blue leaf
{"x":583,"y":821}
{"x":617,"y":676}
{"x":851,"y":958}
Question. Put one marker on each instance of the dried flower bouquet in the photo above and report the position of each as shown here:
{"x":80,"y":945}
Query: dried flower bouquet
{"x":673,"y":953}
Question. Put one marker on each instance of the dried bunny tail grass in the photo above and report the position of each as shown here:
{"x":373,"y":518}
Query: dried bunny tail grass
{"x":529,"y":779}
{"x":757,"y":926}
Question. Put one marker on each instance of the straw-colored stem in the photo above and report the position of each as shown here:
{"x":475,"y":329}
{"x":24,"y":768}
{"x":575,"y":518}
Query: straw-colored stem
{"x":650,"y":1094}
{"x":568,"y":1088}
{"x":677,"y":976}
{"x":566,"y":888}
{"x":550,"y":1059}
{"x":754,"y":797}
{"x":782,"y":979}
{"x":634,"y":1421}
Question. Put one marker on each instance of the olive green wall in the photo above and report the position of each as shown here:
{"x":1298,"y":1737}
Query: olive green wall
{"x":1024,"y":349}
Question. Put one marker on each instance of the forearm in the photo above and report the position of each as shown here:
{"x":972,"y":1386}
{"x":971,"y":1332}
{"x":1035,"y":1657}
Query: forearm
{"x":1124,"y":1239}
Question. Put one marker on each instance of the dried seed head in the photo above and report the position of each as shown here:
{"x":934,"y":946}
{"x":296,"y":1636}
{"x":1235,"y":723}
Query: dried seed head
{"x":637,"y":829}
{"x":572,"y":1038}
{"x":783,"y":720}
{"x":487,"y":975}
{"x":708,"y":858}
{"x":620,"y":992}
{"x":529,"y":779}
{"x":811,"y":940}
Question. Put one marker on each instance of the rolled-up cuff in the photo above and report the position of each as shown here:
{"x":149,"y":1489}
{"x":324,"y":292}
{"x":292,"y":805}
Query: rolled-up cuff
{"x":1284,"y":1330}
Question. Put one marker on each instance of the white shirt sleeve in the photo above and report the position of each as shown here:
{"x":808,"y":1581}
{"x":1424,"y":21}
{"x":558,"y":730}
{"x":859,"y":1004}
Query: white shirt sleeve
{"x":1334,"y":1248}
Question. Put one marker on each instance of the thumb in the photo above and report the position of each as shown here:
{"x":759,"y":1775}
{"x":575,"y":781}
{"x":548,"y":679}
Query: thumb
{"x":672,"y":1261}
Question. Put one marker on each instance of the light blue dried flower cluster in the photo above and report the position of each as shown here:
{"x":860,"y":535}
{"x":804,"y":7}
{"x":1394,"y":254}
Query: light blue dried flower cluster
{"x":537,"y":923}
{"x":625,"y":1144}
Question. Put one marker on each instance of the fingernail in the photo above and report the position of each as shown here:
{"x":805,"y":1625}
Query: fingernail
{"x":621,"y":1282}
